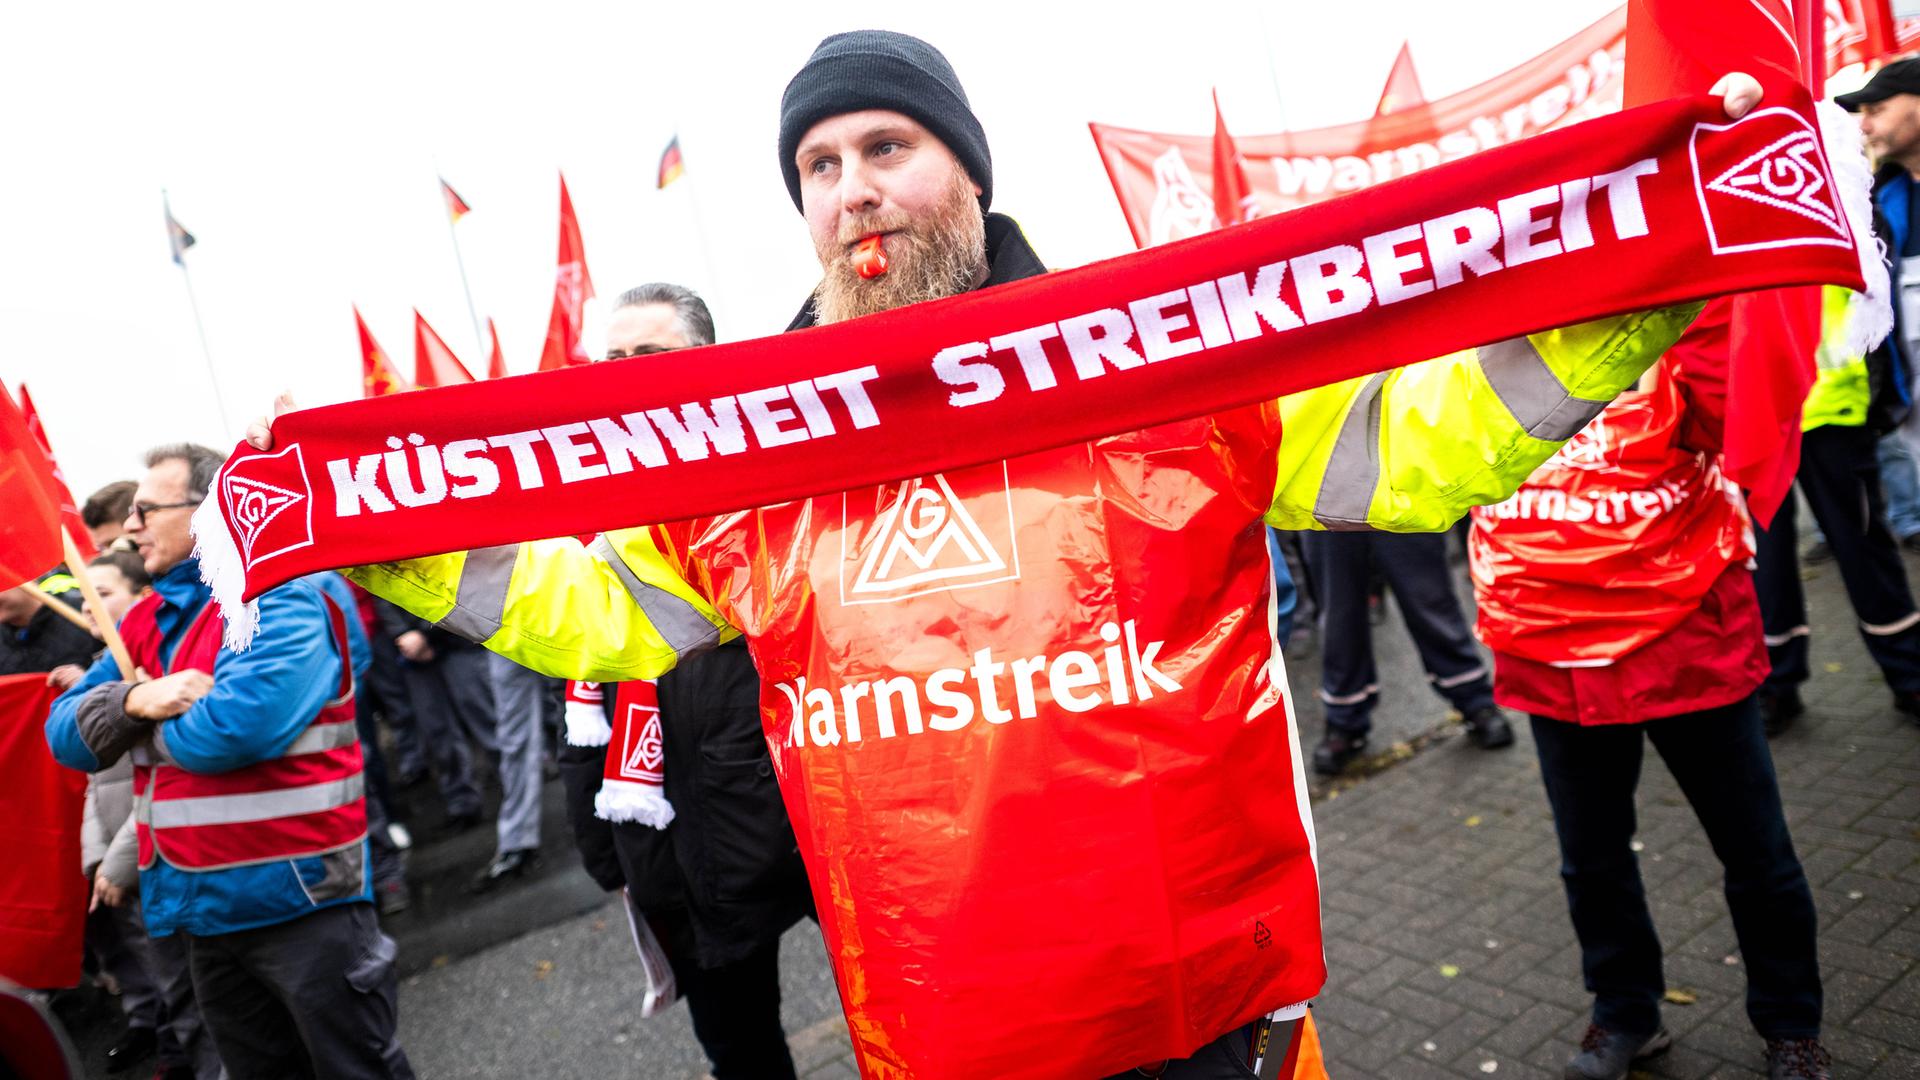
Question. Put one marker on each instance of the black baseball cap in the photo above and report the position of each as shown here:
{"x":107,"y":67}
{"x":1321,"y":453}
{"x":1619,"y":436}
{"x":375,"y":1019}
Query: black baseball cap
{"x":1899,"y":77}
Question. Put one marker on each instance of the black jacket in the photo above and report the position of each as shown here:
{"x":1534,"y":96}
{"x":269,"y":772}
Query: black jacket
{"x":729,"y":860}
{"x":46,"y":642}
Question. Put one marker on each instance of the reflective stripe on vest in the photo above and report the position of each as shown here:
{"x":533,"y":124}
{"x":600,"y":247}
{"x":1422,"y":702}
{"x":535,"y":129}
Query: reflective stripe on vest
{"x":306,"y":801}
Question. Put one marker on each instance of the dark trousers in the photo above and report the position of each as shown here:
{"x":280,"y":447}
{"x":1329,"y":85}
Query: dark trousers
{"x":735,"y":1007}
{"x":315,"y":997}
{"x":1840,"y":476}
{"x":1415,"y":568}
{"x":452,"y":699}
{"x":384,"y":689}
{"x":1720,"y":759}
{"x":156,"y":991}
{"x":1229,"y":1057}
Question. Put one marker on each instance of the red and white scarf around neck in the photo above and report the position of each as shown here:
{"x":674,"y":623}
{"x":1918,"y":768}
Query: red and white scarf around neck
{"x":1653,"y":206}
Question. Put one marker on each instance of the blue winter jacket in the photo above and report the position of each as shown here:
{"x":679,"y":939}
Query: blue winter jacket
{"x":260,"y":702}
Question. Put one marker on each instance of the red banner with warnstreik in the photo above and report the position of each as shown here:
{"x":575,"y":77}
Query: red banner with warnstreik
{"x":43,"y":894}
{"x":1165,"y":181}
{"x":1659,"y":205}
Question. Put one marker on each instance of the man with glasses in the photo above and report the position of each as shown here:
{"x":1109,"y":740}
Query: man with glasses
{"x":247,"y":778}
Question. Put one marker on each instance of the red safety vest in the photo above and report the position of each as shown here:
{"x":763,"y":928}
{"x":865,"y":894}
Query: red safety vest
{"x":305,"y":802}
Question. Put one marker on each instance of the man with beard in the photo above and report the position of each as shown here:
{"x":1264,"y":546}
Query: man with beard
{"x":875,"y":617}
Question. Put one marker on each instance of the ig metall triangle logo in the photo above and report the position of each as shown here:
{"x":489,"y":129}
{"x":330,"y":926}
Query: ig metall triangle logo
{"x":1763,"y":182}
{"x":643,"y":755}
{"x":928,"y":540}
{"x":257,"y":493}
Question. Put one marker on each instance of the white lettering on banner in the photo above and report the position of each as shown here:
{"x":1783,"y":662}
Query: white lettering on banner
{"x":413,"y":472}
{"x":1333,"y":283}
{"x":1118,"y":672}
{"x":1309,"y":178}
{"x":1408,"y":260}
{"x":1609,"y":508}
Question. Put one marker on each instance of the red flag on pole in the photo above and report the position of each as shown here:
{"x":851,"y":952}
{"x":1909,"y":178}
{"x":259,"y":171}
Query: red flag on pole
{"x":69,"y":507}
{"x":1681,"y":47}
{"x":496,"y":363}
{"x":30,"y":528}
{"x":1233,"y":200}
{"x":1858,"y":32}
{"x":434,"y":364}
{"x":572,"y":288}
{"x":43,"y":895}
{"x":457,"y":207}
{"x":1403,"y":85}
{"x":377,"y":373}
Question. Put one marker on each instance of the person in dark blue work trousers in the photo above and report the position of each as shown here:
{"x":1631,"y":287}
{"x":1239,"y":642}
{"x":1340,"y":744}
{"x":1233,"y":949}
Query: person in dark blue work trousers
{"x":1415,"y":568}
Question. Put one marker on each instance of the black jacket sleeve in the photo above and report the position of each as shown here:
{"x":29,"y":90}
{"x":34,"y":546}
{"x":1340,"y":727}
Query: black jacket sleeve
{"x":580,"y":771}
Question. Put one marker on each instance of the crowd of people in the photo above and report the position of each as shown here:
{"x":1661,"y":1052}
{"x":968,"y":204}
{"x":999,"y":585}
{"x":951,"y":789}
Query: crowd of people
{"x":242,"y":834}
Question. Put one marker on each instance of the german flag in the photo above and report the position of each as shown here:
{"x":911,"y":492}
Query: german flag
{"x":456,"y":206}
{"x":671,"y":165}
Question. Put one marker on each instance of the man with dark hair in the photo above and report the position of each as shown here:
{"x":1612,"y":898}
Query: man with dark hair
{"x":105,"y":514}
{"x":250,"y":827}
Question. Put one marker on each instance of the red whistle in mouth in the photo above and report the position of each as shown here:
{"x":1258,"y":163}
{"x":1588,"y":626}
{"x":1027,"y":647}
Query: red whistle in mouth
{"x":869,"y":258}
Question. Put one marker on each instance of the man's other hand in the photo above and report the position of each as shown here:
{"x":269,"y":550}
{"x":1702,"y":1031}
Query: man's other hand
{"x":260,"y":432}
{"x":1738,"y":92}
{"x":414,"y":646}
{"x":168,"y":696}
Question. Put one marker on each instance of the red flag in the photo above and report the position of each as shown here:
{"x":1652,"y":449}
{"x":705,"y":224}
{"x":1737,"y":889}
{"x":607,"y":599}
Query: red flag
{"x":1403,"y":85}
{"x":1683,"y":47}
{"x":1163,"y":179}
{"x":572,"y":288}
{"x":457,"y":207}
{"x":32,"y":416}
{"x":43,"y":895}
{"x":377,"y":373}
{"x":1233,"y":200}
{"x":1858,"y":32}
{"x":433,"y":362}
{"x":496,"y":363}
{"x":69,"y":508}
{"x":30,"y":528}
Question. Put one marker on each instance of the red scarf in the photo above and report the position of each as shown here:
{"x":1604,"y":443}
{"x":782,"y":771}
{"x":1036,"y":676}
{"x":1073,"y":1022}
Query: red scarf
{"x":1653,"y":206}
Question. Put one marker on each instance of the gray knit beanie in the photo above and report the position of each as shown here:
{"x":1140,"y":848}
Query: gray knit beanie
{"x":879,"y":69}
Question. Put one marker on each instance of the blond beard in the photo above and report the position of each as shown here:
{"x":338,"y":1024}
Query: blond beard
{"x":944,"y":255}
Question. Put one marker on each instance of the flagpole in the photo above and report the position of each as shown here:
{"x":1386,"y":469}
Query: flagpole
{"x":480,"y":340}
{"x":700,"y":228}
{"x":1273,"y":66}
{"x":219,"y":400}
{"x":193,"y":303}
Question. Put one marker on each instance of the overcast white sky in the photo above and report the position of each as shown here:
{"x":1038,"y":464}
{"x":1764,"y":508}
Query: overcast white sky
{"x":300,"y":146}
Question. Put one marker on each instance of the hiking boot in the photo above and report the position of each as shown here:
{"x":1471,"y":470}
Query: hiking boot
{"x":1798,"y":1059}
{"x":1608,"y":1055}
{"x":1488,"y":728}
{"x":1336,"y":751}
{"x":1780,"y":708}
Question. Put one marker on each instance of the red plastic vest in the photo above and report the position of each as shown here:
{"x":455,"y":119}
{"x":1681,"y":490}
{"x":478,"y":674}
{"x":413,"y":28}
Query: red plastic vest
{"x":1033,"y":734}
{"x":305,"y":802}
{"x":1609,"y":545}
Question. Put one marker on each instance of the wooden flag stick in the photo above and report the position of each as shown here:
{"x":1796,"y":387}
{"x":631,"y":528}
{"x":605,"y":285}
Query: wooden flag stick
{"x":106,"y":628}
{"x":59,"y":608}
